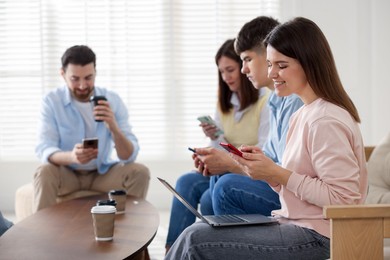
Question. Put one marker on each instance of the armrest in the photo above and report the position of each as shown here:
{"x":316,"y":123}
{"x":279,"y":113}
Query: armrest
{"x":357,"y":211}
{"x":368,"y":151}
{"x":357,"y":231}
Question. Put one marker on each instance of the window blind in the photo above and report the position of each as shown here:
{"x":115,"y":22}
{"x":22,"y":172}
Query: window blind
{"x":158,"y":55}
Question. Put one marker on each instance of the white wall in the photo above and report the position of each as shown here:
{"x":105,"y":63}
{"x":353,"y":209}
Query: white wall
{"x":358,"y":34}
{"x":357,"y":31}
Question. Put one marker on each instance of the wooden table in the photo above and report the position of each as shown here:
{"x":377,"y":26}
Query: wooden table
{"x":65,"y":231}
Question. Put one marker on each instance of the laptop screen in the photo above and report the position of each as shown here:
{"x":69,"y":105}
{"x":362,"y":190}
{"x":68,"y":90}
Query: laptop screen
{"x":180,"y":198}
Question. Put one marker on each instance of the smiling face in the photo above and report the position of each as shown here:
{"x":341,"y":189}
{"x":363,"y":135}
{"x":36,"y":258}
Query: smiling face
{"x":230,"y":73}
{"x":254,"y":66}
{"x":80,"y":80}
{"x":287,"y":75}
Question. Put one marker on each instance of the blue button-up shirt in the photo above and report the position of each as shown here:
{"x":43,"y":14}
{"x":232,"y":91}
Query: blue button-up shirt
{"x":281,"y":109}
{"x":61,"y":126}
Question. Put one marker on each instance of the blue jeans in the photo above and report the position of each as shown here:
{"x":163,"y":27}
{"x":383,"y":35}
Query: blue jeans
{"x":237,"y":194}
{"x":4,"y":224}
{"x":193,"y":187}
{"x":276,"y":241}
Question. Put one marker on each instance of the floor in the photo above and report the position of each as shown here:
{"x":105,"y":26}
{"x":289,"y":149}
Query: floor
{"x":156,"y":249}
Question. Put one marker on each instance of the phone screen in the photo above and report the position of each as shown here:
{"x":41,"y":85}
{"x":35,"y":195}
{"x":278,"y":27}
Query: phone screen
{"x":90,"y":143}
{"x":231,"y":148}
{"x":206,"y":119}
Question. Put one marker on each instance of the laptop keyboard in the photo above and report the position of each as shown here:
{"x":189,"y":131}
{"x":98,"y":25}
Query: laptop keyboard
{"x":229,"y":219}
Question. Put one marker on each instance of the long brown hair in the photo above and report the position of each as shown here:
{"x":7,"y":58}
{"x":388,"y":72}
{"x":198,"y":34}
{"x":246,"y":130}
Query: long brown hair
{"x":303,"y":40}
{"x":248,"y":94}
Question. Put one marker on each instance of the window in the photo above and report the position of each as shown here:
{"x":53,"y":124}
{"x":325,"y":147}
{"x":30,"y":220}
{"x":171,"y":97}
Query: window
{"x":158,"y":55}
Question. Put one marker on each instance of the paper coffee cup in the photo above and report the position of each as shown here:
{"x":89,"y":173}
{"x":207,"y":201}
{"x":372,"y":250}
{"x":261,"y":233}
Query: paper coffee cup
{"x":120,"y":197}
{"x":103,"y":222}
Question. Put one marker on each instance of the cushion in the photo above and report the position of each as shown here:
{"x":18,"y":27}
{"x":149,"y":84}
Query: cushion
{"x":24,"y":199}
{"x":379,"y":173}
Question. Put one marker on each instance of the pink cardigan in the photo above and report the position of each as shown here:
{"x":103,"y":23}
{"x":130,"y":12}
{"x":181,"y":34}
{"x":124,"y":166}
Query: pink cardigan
{"x":325,"y":151}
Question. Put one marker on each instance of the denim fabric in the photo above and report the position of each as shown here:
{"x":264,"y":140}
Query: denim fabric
{"x":238,"y":194}
{"x":206,"y":206}
{"x":4,"y":224}
{"x":192,"y":187}
{"x":275,"y":241}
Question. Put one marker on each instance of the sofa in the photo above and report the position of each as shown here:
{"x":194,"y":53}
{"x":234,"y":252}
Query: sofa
{"x":379,"y":173}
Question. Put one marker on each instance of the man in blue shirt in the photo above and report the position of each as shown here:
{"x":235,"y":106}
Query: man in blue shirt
{"x":67,"y":117}
{"x":236,"y":193}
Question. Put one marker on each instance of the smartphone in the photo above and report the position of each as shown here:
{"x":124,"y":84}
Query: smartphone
{"x":206,"y":119}
{"x":90,"y":143}
{"x":231,"y":148}
{"x":192,"y":149}
{"x":209,"y":120}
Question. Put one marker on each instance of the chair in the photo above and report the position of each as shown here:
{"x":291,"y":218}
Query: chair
{"x":358,"y":231}
{"x":368,"y":151}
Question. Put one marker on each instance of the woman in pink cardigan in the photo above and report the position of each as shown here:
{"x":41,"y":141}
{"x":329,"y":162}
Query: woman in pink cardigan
{"x":323,"y":163}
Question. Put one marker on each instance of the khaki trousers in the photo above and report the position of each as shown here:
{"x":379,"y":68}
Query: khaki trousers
{"x":51,"y":181}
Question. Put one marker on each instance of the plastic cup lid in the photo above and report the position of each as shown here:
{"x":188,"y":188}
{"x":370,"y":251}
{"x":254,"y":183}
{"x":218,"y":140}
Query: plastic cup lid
{"x":106,"y":202}
{"x":117,"y":192}
{"x":103,"y":209}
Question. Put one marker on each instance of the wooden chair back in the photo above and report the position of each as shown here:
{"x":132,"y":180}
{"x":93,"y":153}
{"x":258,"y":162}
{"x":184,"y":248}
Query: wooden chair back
{"x":358,"y":231}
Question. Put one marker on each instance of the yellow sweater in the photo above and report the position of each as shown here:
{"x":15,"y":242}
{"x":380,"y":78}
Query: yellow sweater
{"x":246,"y":130}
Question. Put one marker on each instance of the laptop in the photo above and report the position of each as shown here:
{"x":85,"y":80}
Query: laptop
{"x":222,"y":220}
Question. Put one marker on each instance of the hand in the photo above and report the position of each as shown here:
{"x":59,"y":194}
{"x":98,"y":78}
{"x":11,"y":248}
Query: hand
{"x":82,"y":156}
{"x":209,"y":130}
{"x":199,"y":165}
{"x":197,"y":161}
{"x":216,"y":161}
{"x":250,"y":149}
{"x":260,"y":167}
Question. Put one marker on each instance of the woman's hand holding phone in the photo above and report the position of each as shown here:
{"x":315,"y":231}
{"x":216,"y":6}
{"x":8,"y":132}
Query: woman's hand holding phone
{"x":258,"y":166}
{"x":250,"y":149}
{"x":209,"y":127}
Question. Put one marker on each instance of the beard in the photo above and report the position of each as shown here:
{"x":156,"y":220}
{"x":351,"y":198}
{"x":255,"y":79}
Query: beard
{"x":82,"y":95}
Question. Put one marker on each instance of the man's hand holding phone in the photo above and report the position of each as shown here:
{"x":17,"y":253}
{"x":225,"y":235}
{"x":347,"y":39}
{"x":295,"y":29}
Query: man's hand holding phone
{"x":214,"y":161}
{"x":197,"y":162}
{"x":90,"y":143}
{"x":89,"y":150}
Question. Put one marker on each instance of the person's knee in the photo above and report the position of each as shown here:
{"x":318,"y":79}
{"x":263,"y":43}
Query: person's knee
{"x":184,"y":180}
{"x":187,"y":180}
{"x":196,"y":232}
{"x":46,"y":173}
{"x":221,"y":186}
{"x":144,"y":171}
{"x":222,"y":192}
{"x":139,"y":172}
